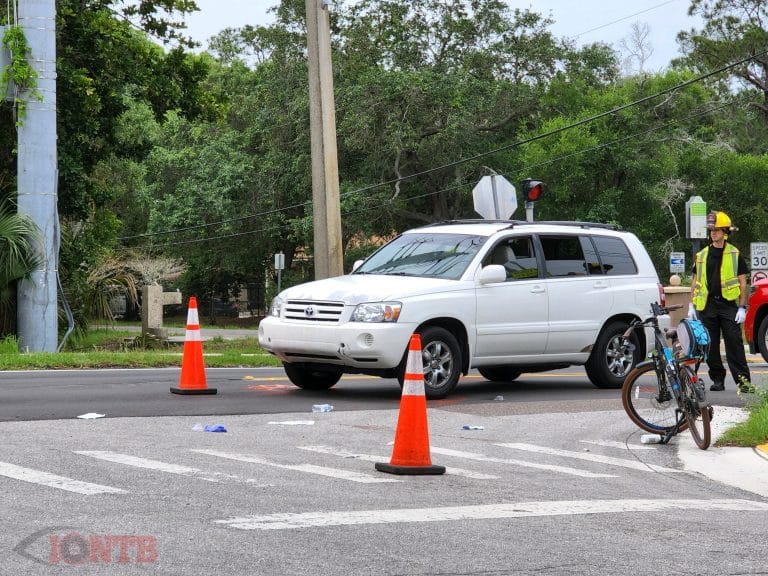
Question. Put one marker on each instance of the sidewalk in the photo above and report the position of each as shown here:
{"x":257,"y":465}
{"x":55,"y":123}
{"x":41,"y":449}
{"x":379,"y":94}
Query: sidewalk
{"x":177,"y":333}
{"x":745,"y":468}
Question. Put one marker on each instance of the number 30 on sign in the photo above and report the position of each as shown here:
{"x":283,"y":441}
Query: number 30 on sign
{"x":759,"y":255}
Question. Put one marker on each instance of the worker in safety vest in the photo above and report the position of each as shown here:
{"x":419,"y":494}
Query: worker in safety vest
{"x":719,"y":298}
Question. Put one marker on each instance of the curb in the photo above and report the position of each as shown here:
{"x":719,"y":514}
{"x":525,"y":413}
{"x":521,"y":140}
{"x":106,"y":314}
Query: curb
{"x":762,"y":450}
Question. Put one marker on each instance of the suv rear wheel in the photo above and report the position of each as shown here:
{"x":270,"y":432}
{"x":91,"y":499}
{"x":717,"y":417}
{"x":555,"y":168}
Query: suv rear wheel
{"x":609,"y":363}
{"x":312,"y":376}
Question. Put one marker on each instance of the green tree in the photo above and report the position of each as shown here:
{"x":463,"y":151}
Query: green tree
{"x":733,"y":30}
{"x":18,"y":258}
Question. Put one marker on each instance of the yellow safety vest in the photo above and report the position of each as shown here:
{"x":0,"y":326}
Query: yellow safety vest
{"x":729,"y":281}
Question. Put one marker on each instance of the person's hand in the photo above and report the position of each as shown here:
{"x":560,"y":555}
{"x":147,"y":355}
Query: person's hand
{"x":691,"y":311}
{"x":741,"y":315}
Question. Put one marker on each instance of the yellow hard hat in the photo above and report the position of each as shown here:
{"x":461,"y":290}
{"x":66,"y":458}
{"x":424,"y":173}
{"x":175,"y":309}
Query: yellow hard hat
{"x":720,"y":220}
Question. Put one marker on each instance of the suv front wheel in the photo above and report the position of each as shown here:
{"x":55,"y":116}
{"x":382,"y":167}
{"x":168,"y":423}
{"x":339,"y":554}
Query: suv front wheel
{"x":312,"y":377}
{"x":499,"y":373}
{"x":609,"y":362}
{"x":441,"y":359}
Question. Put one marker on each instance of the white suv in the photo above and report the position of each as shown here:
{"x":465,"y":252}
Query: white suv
{"x":505,"y":297}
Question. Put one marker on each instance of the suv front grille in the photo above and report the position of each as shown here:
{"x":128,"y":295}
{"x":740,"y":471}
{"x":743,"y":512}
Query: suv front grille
{"x":314,"y":311}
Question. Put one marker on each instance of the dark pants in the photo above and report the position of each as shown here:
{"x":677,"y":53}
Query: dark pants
{"x":720,"y":316}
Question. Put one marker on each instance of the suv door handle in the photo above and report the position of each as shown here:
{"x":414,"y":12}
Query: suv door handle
{"x":600,"y":284}
{"x":537,"y":289}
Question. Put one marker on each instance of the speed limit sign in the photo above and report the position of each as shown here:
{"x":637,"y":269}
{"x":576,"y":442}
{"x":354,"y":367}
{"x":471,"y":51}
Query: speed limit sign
{"x":759,"y":255}
{"x":758,"y":261}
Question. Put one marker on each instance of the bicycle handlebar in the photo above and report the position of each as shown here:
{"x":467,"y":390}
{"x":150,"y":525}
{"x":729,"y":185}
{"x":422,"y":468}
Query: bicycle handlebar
{"x":657,"y":310}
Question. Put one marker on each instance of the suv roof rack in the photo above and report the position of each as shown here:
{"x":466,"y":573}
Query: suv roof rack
{"x":513,"y":223}
{"x":571,"y":223}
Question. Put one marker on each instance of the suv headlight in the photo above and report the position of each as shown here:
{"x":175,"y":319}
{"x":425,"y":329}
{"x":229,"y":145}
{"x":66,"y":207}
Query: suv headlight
{"x":377,"y":312}
{"x":276,"y":306}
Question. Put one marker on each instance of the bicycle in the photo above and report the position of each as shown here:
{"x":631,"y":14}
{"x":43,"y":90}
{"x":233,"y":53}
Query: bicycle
{"x":675,"y":399}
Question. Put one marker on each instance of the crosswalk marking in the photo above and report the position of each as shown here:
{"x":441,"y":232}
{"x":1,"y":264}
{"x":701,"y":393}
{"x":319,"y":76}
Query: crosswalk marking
{"x":308,"y":468}
{"x":285,"y":521}
{"x":145,"y":463}
{"x":55,"y":481}
{"x":373,"y":458}
{"x":634,"y":464}
{"x":551,"y":467}
{"x":621,"y":445}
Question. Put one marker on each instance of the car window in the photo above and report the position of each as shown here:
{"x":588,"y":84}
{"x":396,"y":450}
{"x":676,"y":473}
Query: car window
{"x":424,"y":254}
{"x":615,"y":256}
{"x":563,"y":256}
{"x":518,"y":257}
{"x":594,"y":265}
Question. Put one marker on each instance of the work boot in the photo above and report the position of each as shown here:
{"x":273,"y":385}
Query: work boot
{"x":717,"y":386}
{"x":745,"y":386}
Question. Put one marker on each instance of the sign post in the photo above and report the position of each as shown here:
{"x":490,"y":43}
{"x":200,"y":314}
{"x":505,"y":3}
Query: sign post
{"x":279,"y":265}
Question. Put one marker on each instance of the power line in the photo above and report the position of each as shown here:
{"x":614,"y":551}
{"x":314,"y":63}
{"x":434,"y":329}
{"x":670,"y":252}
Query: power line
{"x":471,"y":158}
{"x":624,"y":18}
{"x":697,"y":114}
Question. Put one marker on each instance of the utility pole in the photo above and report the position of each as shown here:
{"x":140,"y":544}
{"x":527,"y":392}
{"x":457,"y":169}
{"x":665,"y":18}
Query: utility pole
{"x":325,"y":167}
{"x":37,"y":312}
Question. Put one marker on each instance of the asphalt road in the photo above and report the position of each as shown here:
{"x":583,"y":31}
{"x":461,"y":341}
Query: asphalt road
{"x":63,"y":394}
{"x":554,"y":481}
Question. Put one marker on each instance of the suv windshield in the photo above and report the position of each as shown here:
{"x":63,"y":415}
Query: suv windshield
{"x":429,"y":255}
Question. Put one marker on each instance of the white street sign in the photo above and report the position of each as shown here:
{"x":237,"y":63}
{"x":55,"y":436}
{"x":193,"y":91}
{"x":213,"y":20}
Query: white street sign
{"x":495,"y":198}
{"x":758,"y":261}
{"x":677,"y":262}
{"x":758,"y":255}
{"x":696,"y":218}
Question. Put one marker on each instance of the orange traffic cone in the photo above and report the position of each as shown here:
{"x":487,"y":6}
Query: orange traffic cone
{"x":192,"y":379}
{"x":411,"y":452}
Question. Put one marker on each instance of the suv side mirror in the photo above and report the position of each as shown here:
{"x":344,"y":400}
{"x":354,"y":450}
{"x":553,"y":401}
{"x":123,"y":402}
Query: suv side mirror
{"x":492,"y":274}
{"x":357,"y":264}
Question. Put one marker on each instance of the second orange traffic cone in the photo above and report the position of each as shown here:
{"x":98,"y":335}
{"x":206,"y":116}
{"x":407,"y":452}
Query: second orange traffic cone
{"x":192,"y":379}
{"x":410,"y":454}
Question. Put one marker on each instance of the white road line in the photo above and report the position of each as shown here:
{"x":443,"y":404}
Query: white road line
{"x":54,"y":481}
{"x":373,"y":458}
{"x":634,"y":464}
{"x":308,"y":468}
{"x":145,"y":463}
{"x":524,"y":463}
{"x":621,"y":445}
{"x":482,"y":512}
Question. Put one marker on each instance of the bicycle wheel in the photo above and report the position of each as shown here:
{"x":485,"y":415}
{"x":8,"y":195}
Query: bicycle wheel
{"x":697,"y":413}
{"x":647,"y":401}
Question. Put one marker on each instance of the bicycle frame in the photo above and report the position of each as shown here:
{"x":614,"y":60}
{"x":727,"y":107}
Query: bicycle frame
{"x":668,"y":371}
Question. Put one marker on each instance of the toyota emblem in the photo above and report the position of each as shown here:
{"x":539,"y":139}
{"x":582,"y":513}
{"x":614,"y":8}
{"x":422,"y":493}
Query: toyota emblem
{"x":309,"y":311}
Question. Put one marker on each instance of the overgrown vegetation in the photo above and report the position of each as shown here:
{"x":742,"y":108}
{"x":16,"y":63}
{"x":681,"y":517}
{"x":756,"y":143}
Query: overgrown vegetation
{"x":116,"y":349}
{"x":19,"y":72}
{"x":754,"y":430}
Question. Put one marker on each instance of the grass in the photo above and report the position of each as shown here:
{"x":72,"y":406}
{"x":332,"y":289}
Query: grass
{"x":106,"y":348}
{"x":754,"y":430}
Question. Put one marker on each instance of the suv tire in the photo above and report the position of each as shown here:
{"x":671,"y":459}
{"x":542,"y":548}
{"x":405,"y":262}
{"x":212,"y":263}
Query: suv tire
{"x":312,"y":377}
{"x":608,"y":366}
{"x":499,"y":373}
{"x":441,"y":356}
